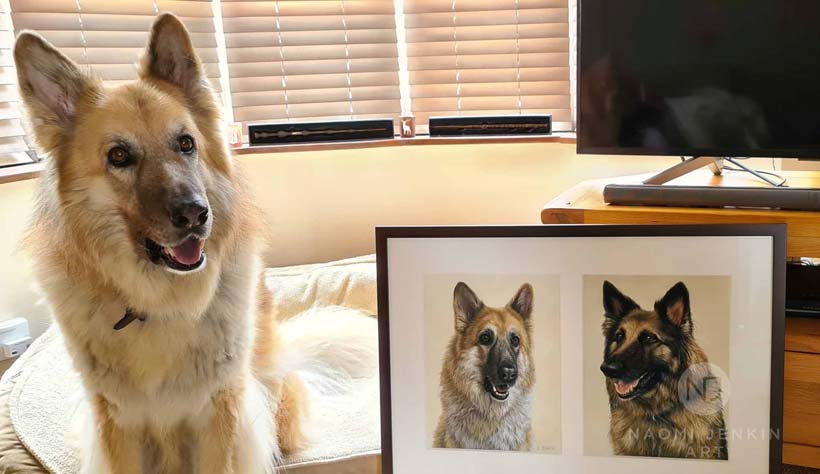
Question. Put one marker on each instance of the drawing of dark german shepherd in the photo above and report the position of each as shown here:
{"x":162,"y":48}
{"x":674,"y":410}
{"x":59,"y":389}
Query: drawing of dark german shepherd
{"x":646,"y":354}
{"x":488,"y":374}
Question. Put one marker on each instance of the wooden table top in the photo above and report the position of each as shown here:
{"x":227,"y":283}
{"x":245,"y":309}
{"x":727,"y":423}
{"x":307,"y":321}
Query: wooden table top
{"x":584,"y":204}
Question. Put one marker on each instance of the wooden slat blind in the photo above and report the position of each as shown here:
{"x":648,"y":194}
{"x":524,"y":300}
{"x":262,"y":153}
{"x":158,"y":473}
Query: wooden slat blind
{"x":303,"y":60}
{"x":14,"y":148}
{"x":108,"y":36}
{"x":489,"y":57}
{"x":310,"y":60}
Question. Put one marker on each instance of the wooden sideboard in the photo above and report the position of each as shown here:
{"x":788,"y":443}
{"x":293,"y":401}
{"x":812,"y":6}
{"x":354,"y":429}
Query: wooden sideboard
{"x":584,"y":204}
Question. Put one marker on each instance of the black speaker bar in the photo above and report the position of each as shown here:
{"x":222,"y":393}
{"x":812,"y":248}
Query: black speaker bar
{"x":807,"y":199}
{"x":490,"y":125}
{"x":312,"y":132}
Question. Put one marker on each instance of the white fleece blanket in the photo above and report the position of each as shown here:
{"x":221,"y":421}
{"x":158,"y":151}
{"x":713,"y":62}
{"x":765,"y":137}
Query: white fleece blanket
{"x":47,"y":396}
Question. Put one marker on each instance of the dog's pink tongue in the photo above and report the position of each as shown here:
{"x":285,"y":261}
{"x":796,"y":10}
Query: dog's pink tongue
{"x":624,"y":388}
{"x":188,"y":252}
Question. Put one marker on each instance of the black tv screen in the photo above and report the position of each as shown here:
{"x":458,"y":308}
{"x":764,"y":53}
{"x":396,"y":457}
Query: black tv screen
{"x":699,"y":77}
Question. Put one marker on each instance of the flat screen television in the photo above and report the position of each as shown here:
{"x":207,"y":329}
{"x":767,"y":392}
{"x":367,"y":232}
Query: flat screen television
{"x":699,"y":77}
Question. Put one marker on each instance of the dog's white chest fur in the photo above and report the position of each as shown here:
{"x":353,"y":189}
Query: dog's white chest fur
{"x":182,"y":366}
{"x":160,"y":374}
{"x":161,"y":371}
{"x":495,"y":427}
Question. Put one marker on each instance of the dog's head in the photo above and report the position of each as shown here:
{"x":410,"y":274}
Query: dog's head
{"x":134,"y":164}
{"x":644,"y":348}
{"x":496,"y":339}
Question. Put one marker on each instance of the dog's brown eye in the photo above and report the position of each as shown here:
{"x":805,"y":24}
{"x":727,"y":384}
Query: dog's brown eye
{"x":186,"y":144}
{"x":515,"y":340}
{"x":119,"y":157}
{"x":486,"y":338}
{"x":649,"y":338}
{"x":620,"y":336}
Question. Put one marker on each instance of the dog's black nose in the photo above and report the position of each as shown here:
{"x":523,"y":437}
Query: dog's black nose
{"x":507,"y":373}
{"x":189,"y":213}
{"x":612,"y":369}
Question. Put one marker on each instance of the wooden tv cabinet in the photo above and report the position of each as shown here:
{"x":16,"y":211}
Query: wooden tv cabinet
{"x":584,"y":204}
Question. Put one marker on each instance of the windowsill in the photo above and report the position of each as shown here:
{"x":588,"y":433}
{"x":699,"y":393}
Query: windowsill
{"x":20,"y":172}
{"x":562,"y":137}
{"x":32,"y":170}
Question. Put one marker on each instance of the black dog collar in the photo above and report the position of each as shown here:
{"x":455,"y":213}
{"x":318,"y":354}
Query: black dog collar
{"x":130,"y":316}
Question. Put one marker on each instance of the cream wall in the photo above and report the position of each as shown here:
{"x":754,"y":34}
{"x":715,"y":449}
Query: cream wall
{"x":18,"y":296}
{"x":323,"y":205}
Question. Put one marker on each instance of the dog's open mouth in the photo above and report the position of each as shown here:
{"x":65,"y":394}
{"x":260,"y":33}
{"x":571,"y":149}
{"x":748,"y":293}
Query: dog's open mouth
{"x":500,"y":392}
{"x":185,"y":257}
{"x":630,"y":389}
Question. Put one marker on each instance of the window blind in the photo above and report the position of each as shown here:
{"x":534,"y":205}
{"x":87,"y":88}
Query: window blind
{"x":489,"y":57}
{"x":308,"y":60}
{"x":108,"y":36}
{"x":14,"y":148}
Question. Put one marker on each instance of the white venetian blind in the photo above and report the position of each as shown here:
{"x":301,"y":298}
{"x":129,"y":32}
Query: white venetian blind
{"x":308,"y":60}
{"x":14,"y":148}
{"x":489,"y":57}
{"x":108,"y":36}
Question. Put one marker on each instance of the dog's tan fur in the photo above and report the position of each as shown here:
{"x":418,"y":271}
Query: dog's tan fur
{"x":470,"y":418}
{"x":632,"y":429}
{"x":197,"y":386}
{"x":658,"y":423}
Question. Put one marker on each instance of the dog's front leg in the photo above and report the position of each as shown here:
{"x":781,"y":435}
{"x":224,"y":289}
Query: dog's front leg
{"x":122,"y":449}
{"x":217,"y":444}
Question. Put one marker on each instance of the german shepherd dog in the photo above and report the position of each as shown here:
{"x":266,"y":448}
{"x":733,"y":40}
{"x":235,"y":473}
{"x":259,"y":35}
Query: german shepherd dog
{"x":145,"y":240}
{"x":646,"y":354}
{"x":488,"y":374}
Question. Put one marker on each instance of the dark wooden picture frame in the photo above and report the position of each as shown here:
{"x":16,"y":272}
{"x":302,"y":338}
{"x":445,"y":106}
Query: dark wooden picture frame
{"x":776,"y":231}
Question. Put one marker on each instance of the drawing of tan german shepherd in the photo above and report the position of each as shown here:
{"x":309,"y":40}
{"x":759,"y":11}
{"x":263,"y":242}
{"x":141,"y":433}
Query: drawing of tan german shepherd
{"x":488,"y":374}
{"x":647,"y":354}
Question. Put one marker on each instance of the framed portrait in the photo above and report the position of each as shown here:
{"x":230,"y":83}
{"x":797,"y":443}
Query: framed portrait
{"x":558,"y":349}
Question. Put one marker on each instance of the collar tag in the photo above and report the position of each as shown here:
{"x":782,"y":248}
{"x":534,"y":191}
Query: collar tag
{"x":130,"y":316}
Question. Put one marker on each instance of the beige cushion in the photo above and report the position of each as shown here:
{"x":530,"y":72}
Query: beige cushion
{"x":350,"y":283}
{"x":37,"y":392}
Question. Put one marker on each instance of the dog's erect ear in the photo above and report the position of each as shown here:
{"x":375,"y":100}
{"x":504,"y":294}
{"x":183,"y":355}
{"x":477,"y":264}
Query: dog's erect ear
{"x":170,"y":56}
{"x":50,"y":84}
{"x":616,"y":304}
{"x":521,"y":303}
{"x":466,"y":305}
{"x":674,"y":307}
